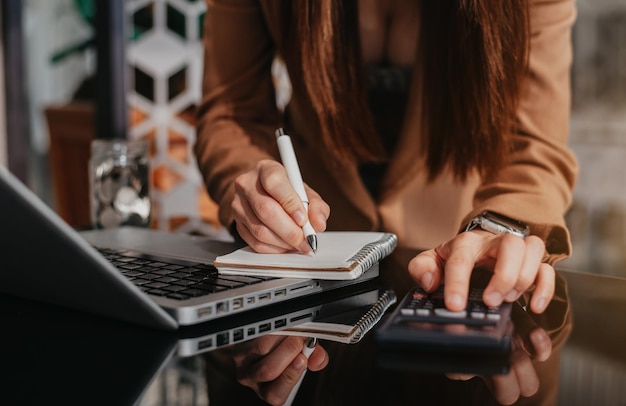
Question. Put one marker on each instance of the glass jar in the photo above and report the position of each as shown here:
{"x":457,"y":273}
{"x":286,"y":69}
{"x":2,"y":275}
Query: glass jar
{"x":119,"y":183}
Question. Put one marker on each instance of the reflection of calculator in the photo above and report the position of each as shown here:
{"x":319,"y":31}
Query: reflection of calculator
{"x":422,"y":327}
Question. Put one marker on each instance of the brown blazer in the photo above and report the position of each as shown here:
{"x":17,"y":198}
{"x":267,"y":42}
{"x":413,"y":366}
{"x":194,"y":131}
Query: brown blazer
{"x":238,"y":116}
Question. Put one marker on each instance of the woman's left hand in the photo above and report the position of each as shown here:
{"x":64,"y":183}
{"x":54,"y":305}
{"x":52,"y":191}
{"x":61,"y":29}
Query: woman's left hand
{"x":516,"y":263}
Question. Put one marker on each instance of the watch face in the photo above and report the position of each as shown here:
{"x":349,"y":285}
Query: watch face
{"x":514,"y":226}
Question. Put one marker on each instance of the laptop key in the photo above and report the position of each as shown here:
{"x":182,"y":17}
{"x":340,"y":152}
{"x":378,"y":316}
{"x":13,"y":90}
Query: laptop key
{"x":151,"y":276}
{"x":174,"y":288}
{"x":227,"y":283}
{"x":132,"y":273}
{"x":125,"y":259}
{"x":158,"y":292}
{"x":156,"y":285}
{"x":157,"y":264}
{"x":130,"y":266}
{"x":195,"y":277}
{"x":163,"y":271}
{"x":173,"y":267}
{"x":209,"y":287}
{"x":193,"y":292}
{"x":200,"y":268}
{"x":178,"y":275}
{"x":178,"y":296}
{"x":248,"y":280}
{"x":166,"y":279}
{"x":207,"y":267}
{"x":185,"y":282}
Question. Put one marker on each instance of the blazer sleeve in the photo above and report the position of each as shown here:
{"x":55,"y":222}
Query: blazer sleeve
{"x":536,"y":185}
{"x":237,"y":116}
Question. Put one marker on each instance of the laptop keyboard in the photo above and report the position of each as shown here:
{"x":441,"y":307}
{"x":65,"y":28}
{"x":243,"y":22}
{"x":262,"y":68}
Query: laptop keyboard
{"x":173,"y":278}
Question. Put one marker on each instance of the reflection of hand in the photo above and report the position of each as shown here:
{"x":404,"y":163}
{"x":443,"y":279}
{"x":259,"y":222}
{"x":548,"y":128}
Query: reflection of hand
{"x":522,"y":379}
{"x":271,"y":365}
{"x":268,"y":212}
{"x":516,"y":265}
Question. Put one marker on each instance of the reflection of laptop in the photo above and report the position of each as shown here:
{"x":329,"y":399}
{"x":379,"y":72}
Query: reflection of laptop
{"x":327,"y":310}
{"x":47,"y":260}
{"x":61,"y":355}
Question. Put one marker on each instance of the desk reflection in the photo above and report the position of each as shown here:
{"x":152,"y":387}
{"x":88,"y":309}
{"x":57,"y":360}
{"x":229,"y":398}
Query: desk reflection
{"x":55,"y":356}
{"x":355,"y":374}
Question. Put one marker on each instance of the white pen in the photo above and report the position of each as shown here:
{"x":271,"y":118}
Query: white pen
{"x":288,"y":157}
{"x":309,"y":346}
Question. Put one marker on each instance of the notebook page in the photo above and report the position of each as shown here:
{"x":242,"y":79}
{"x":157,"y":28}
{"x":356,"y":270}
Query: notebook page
{"x":335,"y":248}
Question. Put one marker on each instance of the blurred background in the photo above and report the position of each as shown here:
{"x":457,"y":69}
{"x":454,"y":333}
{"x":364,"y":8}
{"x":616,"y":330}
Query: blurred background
{"x":48,"y":84}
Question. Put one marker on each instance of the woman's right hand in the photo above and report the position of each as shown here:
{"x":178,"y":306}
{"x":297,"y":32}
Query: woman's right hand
{"x":268,"y":212}
{"x":271,"y":365}
{"x":531,"y":344}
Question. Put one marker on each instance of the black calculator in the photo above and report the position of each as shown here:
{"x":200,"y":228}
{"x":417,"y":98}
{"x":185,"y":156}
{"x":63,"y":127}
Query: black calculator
{"x":421,"y":326}
{"x":421,"y":306}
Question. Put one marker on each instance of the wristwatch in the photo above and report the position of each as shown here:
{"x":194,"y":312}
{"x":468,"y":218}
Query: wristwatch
{"x":498,"y":224}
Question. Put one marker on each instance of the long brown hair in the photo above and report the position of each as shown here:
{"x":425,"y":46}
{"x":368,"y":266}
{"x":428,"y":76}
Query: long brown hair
{"x":474,"y":55}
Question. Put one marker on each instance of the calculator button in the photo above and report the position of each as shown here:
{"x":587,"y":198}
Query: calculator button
{"x":477,"y":315}
{"x":407,"y":312}
{"x":422,"y":312}
{"x":448,"y":313}
{"x":477,"y":307}
{"x":493,"y":313}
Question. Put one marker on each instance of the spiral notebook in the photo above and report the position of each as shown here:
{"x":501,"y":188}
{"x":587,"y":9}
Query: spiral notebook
{"x":359,"y":315}
{"x":340,"y":255}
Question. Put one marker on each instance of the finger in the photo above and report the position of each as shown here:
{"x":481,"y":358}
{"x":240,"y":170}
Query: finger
{"x":262,"y":239}
{"x":287,"y":219}
{"x":256,"y":245}
{"x":535,"y":249}
{"x":284,"y":385}
{"x":264,"y":345}
{"x":526,"y":376}
{"x":544,"y":290}
{"x":426,"y":269}
{"x":542,"y":345}
{"x":277,"y":391}
{"x":250,"y":352}
{"x":465,"y":248}
{"x":505,"y":388}
{"x":510,"y":252}
{"x":274,"y":226}
{"x":276,"y":361}
{"x":319,"y":210}
{"x":318,"y":359}
{"x":274,"y":180}
{"x":247,"y":190}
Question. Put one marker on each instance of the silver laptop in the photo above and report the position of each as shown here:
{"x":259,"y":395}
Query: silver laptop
{"x":149,"y":277}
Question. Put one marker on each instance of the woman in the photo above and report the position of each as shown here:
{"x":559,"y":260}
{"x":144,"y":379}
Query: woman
{"x":410,"y":117}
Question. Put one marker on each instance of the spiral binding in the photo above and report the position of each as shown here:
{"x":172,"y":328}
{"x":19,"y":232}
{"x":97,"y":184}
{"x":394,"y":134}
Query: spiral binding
{"x":373,"y":315}
{"x":373,"y":252}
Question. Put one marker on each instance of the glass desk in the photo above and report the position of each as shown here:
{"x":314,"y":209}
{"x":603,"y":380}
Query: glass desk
{"x":57,"y":356}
